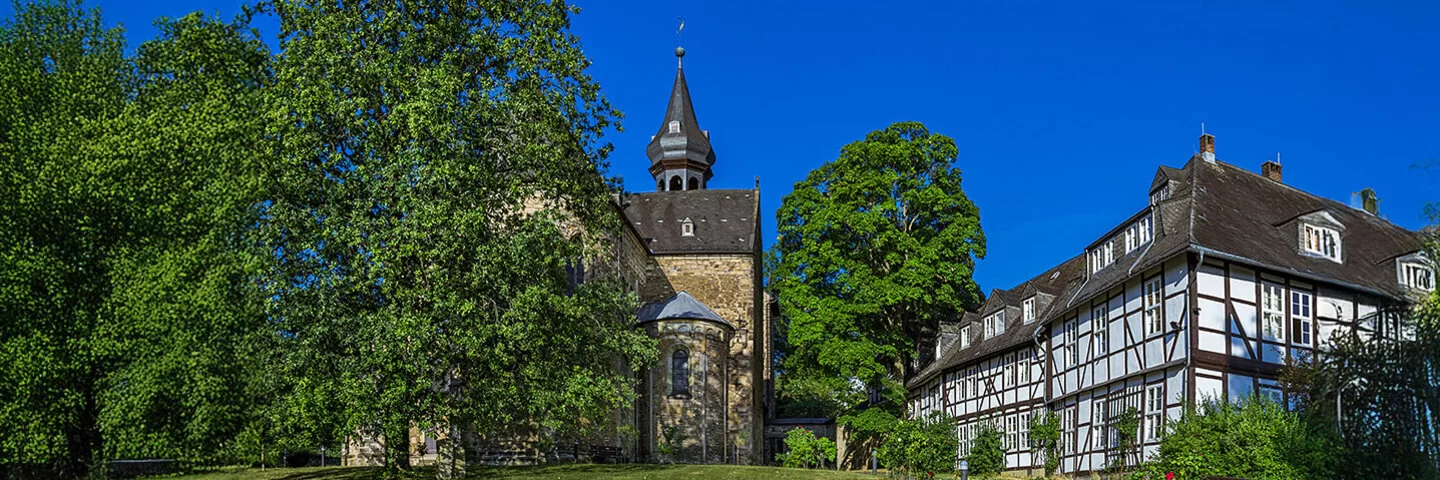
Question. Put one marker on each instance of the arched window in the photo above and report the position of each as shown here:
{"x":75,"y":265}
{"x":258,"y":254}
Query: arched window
{"x":676,"y":183}
{"x":660,"y":185}
{"x":694,"y":184}
{"x":680,"y":373}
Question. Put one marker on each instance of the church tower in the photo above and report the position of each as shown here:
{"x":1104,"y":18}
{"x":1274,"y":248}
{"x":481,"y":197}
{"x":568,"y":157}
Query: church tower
{"x":680,"y":153}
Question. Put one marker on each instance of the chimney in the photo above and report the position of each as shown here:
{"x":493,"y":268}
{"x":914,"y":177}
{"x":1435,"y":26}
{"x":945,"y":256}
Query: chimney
{"x":1207,"y":147}
{"x":1271,"y":170}
{"x":1369,"y":201}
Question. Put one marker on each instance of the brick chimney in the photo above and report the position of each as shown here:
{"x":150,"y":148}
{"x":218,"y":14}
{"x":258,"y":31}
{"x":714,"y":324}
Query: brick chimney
{"x":1271,"y":170}
{"x":1207,"y":147}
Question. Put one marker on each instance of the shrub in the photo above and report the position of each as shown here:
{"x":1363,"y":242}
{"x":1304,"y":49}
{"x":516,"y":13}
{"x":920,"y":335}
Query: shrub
{"x":987,"y":457}
{"x":671,"y":438}
{"x":1045,"y":438}
{"x":806,"y":450}
{"x":920,"y":448}
{"x":1255,"y":439}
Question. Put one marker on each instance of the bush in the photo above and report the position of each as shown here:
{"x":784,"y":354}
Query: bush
{"x":987,"y":457}
{"x":920,"y":448}
{"x":1045,"y":439}
{"x":806,"y":450}
{"x":1255,"y":439}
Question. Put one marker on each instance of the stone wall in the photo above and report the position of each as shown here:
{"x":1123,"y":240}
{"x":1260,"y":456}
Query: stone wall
{"x":731,"y":285}
{"x":701,"y":415}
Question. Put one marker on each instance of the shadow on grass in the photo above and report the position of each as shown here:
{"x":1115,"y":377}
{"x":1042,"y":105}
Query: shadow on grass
{"x":587,"y":468}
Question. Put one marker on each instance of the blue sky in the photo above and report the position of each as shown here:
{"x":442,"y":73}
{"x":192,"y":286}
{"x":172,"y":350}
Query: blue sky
{"x":1062,"y":110}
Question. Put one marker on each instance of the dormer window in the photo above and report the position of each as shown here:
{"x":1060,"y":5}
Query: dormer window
{"x":686,"y":228}
{"x":1102,"y":257}
{"x":965,"y":337}
{"x":995,"y":324}
{"x":1417,"y":275}
{"x":674,"y":126}
{"x":1027,"y":310}
{"x":1138,"y":234}
{"x":1160,"y":194}
{"x":1321,"y":241}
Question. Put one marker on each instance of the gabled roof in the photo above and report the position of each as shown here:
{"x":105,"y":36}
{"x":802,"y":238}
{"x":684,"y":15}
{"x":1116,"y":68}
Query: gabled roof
{"x":724,"y":220}
{"x":681,"y":306}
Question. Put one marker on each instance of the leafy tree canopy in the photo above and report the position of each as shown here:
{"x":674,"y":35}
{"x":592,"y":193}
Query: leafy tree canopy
{"x":874,"y":248}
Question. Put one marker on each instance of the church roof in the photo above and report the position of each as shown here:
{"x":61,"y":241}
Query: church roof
{"x":680,"y":306}
{"x":722,"y":221}
{"x":689,"y":142}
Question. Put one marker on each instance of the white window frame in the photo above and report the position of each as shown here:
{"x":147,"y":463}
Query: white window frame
{"x":1024,"y":366}
{"x":1418,"y":276}
{"x":1154,"y":411}
{"x":965,"y":337}
{"x":1100,"y":330}
{"x":674,"y":126}
{"x":1027,"y":310}
{"x":1272,"y":312}
{"x":687,"y":229}
{"x":1072,"y":339}
{"x":1320,"y":241}
{"x":1007,"y":373}
{"x":1023,"y":424}
{"x":1067,"y":430}
{"x":1154,"y":295}
{"x":1098,"y":422}
{"x":1302,"y":311}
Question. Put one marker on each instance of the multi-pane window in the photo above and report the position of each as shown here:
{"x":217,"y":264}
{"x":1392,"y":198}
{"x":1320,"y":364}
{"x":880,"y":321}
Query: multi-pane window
{"x":1007,"y":376}
{"x":680,"y":373}
{"x":965,"y":337}
{"x":1272,"y":312}
{"x":1138,"y":234}
{"x":1300,"y":310}
{"x":1024,"y":368}
{"x":1154,"y":296}
{"x":1067,"y":430}
{"x":1322,"y":241}
{"x":1419,"y":276}
{"x":995,"y":324}
{"x":1027,"y":310}
{"x":1109,"y":252}
{"x":1072,"y":338}
{"x":1160,"y":195}
{"x":1023,"y":437}
{"x":1100,"y":329}
{"x":974,"y":382}
{"x":1102,"y":256}
{"x":1273,"y":394}
{"x":1154,"y":411}
{"x":1098,"y":437}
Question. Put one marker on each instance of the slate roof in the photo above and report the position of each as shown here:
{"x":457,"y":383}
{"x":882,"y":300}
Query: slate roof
{"x":725,"y":220}
{"x":1225,"y":211}
{"x":690,"y":143}
{"x":680,"y":306}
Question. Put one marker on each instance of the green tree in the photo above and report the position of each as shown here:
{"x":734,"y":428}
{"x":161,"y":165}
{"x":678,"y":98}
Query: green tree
{"x":440,"y":172}
{"x":1255,"y":439}
{"x":806,"y":450}
{"x":1127,"y":431}
{"x":987,"y":455}
{"x":129,"y":183}
{"x":874,"y":247}
{"x":1045,"y":438}
{"x":921,"y":448}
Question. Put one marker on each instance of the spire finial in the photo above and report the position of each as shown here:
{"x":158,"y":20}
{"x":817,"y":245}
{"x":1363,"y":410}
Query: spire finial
{"x":679,"y":50}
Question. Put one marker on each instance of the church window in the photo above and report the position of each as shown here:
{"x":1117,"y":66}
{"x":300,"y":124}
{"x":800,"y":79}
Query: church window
{"x":680,"y":373}
{"x":676,"y":183}
{"x":694,"y":184}
{"x":674,"y":126}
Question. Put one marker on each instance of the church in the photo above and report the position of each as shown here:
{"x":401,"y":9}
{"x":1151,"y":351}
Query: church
{"x":702,"y":284}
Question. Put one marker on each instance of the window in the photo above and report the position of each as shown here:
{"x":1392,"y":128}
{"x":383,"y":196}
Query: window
{"x":1300,"y":311}
{"x":687,"y":229}
{"x":1027,"y":310}
{"x":1067,"y":430}
{"x":1322,"y":241}
{"x":680,"y":373}
{"x":1161,"y":194}
{"x":1024,"y":368}
{"x":965,"y":336}
{"x":1415,"y":275}
{"x":1109,"y":252}
{"x":1072,"y":337}
{"x":1154,"y":412}
{"x":676,"y":184}
{"x":674,"y":126}
{"x":1100,"y":330}
{"x":694,"y":184}
{"x":1023,"y":431}
{"x":1273,"y":394}
{"x":995,"y":324}
{"x":974,"y":382}
{"x":1102,"y":256}
{"x":1007,"y":377}
{"x":1137,"y":235}
{"x":1098,"y":436}
{"x":1272,"y":312}
{"x":1154,"y":295}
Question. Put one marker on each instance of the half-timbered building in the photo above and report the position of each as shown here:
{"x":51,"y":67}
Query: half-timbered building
{"x":1204,"y":292}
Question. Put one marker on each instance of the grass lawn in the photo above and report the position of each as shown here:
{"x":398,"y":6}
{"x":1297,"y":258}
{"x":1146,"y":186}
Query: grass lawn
{"x":553,"y":472}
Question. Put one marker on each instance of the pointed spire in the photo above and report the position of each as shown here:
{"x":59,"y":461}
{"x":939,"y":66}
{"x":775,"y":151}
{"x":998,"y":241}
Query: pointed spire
{"x":680,"y":148}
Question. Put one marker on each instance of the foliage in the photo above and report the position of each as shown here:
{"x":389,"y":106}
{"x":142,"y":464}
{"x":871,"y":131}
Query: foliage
{"x":671,"y":441}
{"x":987,"y":455}
{"x":920,"y":447}
{"x":438,"y":175}
{"x":1045,"y":438}
{"x":806,"y":450}
{"x":1255,"y":439}
{"x":130,"y":330}
{"x":1127,"y":429}
{"x":874,"y":247}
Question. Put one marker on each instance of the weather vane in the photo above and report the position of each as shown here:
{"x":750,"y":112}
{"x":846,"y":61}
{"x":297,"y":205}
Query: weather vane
{"x":679,"y":50}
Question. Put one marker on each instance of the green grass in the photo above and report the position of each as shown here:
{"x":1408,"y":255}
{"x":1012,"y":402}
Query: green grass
{"x":552,"y":472}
